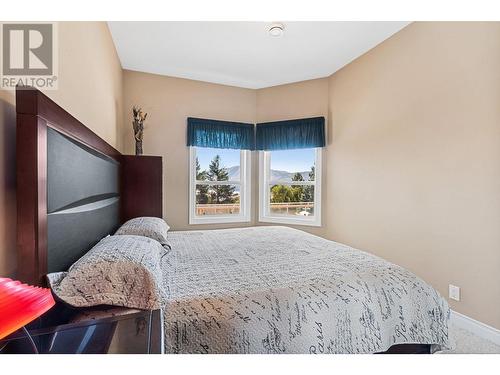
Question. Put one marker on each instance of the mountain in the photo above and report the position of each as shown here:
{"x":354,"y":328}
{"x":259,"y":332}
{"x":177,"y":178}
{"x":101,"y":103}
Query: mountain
{"x":280,"y":176}
{"x":284,"y":176}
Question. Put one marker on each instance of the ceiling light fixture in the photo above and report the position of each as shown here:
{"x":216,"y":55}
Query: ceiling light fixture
{"x":276,"y":29}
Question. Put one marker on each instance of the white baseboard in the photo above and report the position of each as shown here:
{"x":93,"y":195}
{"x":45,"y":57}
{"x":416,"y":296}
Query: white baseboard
{"x":480,"y":329}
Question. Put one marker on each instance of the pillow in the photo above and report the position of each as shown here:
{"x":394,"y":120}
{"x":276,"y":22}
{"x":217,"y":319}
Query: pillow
{"x":152,"y":227}
{"x":119,"y":271}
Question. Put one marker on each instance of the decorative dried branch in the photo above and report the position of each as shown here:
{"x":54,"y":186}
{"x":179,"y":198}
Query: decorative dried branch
{"x":138,"y":125}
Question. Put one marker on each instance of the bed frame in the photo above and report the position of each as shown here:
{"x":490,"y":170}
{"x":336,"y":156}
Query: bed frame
{"x":73,"y":189}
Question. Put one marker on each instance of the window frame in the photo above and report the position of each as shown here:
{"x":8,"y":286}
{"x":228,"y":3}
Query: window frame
{"x":264,"y":192}
{"x":245,"y":192}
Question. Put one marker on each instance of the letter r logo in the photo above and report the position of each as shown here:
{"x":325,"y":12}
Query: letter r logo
{"x":27,"y":49}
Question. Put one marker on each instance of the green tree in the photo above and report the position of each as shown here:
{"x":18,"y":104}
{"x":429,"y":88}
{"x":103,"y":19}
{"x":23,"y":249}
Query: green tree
{"x":312,"y":173}
{"x":281,"y":194}
{"x":202,"y":194}
{"x":219,"y":193}
{"x":297,"y":177}
{"x":309,"y":190}
{"x":297,"y":191}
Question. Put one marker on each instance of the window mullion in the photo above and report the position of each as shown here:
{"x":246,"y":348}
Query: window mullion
{"x":292,"y":183}
{"x":205,"y":182}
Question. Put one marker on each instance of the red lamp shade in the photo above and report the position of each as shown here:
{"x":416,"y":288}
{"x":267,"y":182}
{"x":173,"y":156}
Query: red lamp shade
{"x":20,"y":304}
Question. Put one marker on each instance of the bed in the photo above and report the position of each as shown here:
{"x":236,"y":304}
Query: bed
{"x":247,"y":290}
{"x":281,"y":290}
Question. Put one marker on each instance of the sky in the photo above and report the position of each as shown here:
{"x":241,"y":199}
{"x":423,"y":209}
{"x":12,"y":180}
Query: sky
{"x":299,"y":160}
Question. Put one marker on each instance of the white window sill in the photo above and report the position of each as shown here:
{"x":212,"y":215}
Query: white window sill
{"x":316,"y":222}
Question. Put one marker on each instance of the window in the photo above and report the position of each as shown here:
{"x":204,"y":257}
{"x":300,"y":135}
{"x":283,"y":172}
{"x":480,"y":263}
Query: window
{"x":219,"y":185}
{"x":290,"y":186}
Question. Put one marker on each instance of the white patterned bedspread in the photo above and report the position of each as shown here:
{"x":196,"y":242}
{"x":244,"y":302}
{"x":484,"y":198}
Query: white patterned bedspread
{"x":280,"y":290}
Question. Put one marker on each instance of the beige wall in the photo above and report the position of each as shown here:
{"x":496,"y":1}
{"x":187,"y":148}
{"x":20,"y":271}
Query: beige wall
{"x":414,"y":158}
{"x":90,"y":89}
{"x":168,"y":102}
{"x":292,"y":101}
{"x":90,"y":78}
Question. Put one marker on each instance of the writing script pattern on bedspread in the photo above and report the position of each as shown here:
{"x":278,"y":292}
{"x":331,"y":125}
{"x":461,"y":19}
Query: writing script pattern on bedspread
{"x":279,"y":290}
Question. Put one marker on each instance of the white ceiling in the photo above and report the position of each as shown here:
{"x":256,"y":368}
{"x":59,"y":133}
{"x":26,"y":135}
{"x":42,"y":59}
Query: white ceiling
{"x":243,"y":53}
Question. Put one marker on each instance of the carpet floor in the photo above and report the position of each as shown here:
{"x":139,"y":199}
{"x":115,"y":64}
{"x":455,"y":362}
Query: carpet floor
{"x":468,"y":343}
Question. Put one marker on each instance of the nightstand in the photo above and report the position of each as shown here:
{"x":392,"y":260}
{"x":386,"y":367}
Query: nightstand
{"x":98,"y":330}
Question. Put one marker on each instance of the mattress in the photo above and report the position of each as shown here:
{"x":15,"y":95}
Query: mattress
{"x":281,"y":290}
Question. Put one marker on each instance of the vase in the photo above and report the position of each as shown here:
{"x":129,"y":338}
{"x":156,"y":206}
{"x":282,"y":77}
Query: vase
{"x":138,"y":147}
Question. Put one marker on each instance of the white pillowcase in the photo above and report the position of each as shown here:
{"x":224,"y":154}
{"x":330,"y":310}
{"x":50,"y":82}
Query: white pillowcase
{"x":118,"y":271}
{"x":152,"y":227}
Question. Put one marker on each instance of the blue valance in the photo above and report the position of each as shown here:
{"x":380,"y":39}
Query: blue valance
{"x":290,"y":134}
{"x":220,"y":134}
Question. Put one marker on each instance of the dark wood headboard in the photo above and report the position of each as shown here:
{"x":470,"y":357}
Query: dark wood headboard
{"x":73,"y":188}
